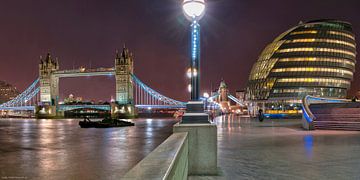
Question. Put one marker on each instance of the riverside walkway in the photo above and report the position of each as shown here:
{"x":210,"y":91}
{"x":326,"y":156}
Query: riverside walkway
{"x":280,"y":149}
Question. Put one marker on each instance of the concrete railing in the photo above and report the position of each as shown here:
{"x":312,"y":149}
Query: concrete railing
{"x":168,"y":161}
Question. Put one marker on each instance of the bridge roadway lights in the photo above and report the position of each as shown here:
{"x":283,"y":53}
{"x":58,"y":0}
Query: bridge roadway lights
{"x":126,"y":111}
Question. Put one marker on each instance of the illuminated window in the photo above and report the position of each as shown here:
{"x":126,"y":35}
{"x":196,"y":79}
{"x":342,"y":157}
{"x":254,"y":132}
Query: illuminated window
{"x":314,"y":69}
{"x":341,"y":34}
{"x":299,"y":90}
{"x":314,"y":49}
{"x":322,"y":40}
{"x":318,"y":59}
{"x":304,"y":32}
{"x":311,"y":80}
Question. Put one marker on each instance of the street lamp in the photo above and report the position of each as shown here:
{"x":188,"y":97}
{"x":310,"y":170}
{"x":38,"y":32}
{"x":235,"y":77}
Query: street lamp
{"x":195,"y":119}
{"x":206,"y":95}
{"x":194,"y":10}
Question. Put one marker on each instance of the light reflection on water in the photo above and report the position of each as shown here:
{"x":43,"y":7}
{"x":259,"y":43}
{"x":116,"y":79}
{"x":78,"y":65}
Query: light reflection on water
{"x":56,"y":149}
{"x":309,"y":145}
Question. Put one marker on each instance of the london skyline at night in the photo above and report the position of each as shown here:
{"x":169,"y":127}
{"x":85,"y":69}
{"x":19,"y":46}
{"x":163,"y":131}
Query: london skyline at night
{"x":179,"y":89}
{"x":87,"y":33}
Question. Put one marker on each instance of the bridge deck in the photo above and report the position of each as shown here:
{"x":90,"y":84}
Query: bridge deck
{"x":85,"y":72}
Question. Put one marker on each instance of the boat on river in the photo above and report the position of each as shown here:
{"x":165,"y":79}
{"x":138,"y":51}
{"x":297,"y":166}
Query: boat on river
{"x":105,"y":123}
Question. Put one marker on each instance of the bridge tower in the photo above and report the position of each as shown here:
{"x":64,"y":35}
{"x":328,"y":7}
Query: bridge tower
{"x":223,"y":92}
{"x":49,"y":87}
{"x":124,"y":67}
{"x":223,"y":96}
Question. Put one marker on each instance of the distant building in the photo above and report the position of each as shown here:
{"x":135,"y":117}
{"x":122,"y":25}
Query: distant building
{"x":72,"y":100}
{"x":7,"y":92}
{"x":315,"y":58}
{"x":240,"y":95}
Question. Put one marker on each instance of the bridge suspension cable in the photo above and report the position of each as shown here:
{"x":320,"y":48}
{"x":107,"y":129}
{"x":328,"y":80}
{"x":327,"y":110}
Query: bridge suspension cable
{"x":236,"y":100}
{"x":231,"y":97}
{"x":144,"y":95}
{"x":24,"y":99}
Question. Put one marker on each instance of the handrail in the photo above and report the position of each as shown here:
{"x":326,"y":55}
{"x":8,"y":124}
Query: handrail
{"x":309,"y":116}
{"x":308,"y":100}
{"x":168,"y":161}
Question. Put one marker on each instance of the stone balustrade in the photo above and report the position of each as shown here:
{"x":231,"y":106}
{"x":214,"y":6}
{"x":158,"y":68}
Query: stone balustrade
{"x":168,"y":161}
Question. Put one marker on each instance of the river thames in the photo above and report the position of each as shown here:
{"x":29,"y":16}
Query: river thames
{"x":60,"y":149}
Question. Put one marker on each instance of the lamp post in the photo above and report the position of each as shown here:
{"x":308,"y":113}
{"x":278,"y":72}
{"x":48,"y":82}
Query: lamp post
{"x":202,"y":134}
{"x":194,"y":10}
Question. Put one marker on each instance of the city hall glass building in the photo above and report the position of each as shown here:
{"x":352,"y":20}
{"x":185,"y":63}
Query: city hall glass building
{"x":314,"y":58}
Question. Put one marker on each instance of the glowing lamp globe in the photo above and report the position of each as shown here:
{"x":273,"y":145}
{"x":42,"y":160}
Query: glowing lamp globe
{"x":206,"y":95}
{"x":194,"y":9}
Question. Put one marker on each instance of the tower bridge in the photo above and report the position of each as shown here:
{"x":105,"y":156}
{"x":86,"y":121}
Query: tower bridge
{"x":42,"y":96}
{"x":49,"y":76}
{"x":223,"y":98}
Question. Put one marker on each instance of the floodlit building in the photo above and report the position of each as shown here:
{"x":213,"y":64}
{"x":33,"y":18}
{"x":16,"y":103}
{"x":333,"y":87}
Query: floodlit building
{"x":240,"y":95}
{"x":7,"y":92}
{"x":314,"y":58}
{"x":73,"y":100}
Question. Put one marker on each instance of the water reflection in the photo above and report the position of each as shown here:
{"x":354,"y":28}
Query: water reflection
{"x":59,"y":149}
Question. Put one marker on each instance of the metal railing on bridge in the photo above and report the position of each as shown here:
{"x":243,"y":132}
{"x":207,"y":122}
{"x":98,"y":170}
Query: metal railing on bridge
{"x":27,"y":98}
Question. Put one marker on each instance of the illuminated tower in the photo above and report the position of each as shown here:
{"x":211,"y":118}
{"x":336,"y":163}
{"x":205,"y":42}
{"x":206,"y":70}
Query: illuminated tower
{"x":124,"y":67}
{"x":223,"y":99}
{"x":223,"y":92}
{"x":49,"y":85}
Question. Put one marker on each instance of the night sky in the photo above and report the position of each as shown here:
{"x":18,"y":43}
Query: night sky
{"x":87,"y":33}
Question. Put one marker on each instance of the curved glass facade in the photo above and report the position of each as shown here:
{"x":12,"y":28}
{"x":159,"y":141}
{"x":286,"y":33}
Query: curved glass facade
{"x":314,"y":58}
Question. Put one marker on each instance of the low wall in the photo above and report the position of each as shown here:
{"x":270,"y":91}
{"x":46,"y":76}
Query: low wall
{"x":168,"y":161}
{"x":202,"y":140}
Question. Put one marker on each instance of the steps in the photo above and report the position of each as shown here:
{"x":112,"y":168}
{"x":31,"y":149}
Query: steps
{"x":336,"y":116}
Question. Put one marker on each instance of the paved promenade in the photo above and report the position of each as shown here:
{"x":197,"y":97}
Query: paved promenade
{"x":280,"y":149}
